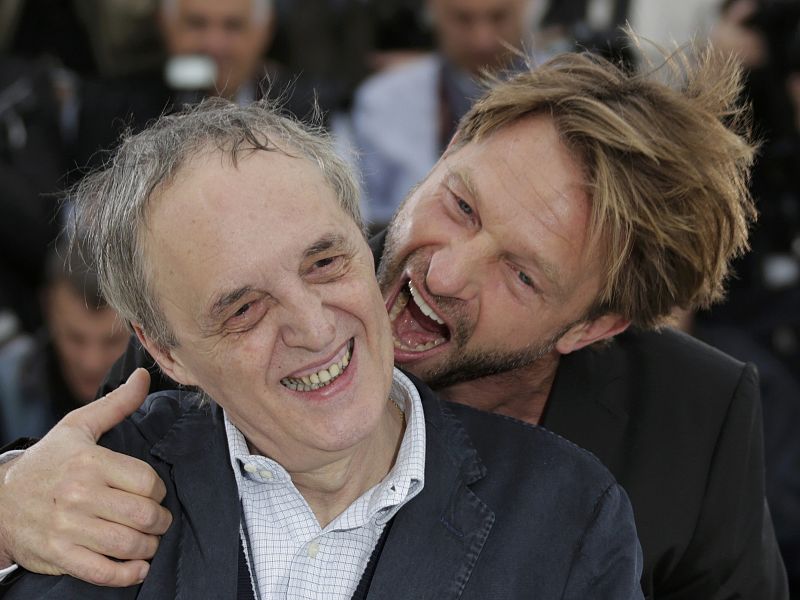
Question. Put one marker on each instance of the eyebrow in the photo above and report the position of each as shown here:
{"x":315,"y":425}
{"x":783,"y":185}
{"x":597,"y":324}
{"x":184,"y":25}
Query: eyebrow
{"x":552,"y":273}
{"x":226,"y":299}
{"x":549,"y":270}
{"x":325,"y":243}
{"x":464,"y":178}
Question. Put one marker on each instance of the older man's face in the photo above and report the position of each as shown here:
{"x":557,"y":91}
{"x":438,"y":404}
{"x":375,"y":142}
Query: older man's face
{"x":271,"y":292}
{"x":487,"y":263}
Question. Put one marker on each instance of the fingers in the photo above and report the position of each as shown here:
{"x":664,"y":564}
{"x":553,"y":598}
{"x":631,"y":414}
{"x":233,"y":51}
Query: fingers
{"x":128,"y":474}
{"x":139,"y":514}
{"x":99,"y":570}
{"x":113,"y":487}
{"x":116,"y":541}
{"x":104,"y":413}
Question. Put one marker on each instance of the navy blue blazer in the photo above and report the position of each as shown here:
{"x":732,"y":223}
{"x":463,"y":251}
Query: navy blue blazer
{"x":508,"y":510}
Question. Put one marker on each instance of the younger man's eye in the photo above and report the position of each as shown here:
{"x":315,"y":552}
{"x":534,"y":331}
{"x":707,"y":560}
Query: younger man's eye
{"x":465,"y":208}
{"x":525,"y":279}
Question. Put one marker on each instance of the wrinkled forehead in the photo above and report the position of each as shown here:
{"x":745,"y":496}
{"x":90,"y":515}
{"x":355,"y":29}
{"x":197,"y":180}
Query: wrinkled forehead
{"x":216,"y":193}
{"x":220,"y":219}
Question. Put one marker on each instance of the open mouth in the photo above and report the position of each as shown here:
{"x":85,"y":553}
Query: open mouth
{"x":323,"y":376}
{"x":415,"y":325}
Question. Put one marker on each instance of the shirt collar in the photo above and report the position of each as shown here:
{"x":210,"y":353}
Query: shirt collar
{"x":407,"y":476}
{"x":405,"y":479}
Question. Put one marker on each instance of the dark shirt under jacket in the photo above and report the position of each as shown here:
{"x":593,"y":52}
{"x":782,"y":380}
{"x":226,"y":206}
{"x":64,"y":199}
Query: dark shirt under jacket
{"x":679,"y":425}
{"x":508,"y":511}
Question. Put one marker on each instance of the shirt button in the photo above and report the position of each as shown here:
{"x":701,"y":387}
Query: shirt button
{"x":265,"y":474}
{"x":250,"y":468}
{"x":313,"y":549}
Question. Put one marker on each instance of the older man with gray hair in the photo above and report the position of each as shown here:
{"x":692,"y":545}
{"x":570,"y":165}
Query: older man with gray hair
{"x":307,"y":467}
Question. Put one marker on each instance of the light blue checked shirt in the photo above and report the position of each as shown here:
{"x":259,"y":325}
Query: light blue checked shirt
{"x":290,"y":555}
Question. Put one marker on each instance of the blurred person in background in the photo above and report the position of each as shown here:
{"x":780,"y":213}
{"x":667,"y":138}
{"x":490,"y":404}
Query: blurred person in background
{"x":764,"y":299}
{"x":330,"y":46}
{"x":760,"y":321}
{"x":234,"y":34}
{"x":32,"y":162}
{"x":212,"y":48}
{"x":45,"y":376}
{"x":403,"y":118}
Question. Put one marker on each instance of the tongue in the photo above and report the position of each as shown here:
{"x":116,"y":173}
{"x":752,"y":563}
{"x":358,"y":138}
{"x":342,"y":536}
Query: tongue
{"x":413,"y":328}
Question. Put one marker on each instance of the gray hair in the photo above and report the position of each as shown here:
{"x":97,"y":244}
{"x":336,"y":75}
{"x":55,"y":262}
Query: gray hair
{"x":111,"y":205}
{"x":66,"y":263}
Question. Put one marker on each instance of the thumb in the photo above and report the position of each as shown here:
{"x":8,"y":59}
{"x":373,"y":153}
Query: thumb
{"x":104,"y":413}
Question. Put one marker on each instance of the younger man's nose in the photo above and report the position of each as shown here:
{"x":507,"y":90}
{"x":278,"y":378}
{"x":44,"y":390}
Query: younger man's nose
{"x":452,"y":272}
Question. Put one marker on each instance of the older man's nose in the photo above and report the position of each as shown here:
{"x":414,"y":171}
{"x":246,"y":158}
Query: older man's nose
{"x":308,"y":323}
{"x":454,"y":271}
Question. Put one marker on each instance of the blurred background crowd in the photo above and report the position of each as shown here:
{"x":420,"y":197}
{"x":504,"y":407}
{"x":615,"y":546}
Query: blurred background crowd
{"x":389,"y":79}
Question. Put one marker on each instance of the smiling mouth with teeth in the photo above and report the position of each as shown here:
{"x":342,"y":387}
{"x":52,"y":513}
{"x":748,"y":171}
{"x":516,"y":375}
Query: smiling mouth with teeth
{"x":415,"y":325}
{"x":322,"y":377}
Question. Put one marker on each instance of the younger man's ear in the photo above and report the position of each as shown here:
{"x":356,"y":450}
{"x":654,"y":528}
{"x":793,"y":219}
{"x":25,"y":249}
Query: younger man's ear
{"x":167,"y":361}
{"x":589,"y":332}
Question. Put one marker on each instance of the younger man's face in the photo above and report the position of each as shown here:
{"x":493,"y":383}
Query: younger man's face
{"x":488,"y":267}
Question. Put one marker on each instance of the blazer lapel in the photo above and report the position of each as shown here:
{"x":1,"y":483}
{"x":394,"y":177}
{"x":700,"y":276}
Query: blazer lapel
{"x":436,"y":538}
{"x":588,"y":404}
{"x":197,"y":449}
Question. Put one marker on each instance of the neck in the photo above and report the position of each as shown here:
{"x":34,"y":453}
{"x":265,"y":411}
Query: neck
{"x":521,"y":394}
{"x":331,"y":487}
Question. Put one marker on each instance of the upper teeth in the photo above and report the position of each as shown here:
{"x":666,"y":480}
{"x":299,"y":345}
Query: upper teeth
{"x":321,"y":378}
{"x":423,"y":306}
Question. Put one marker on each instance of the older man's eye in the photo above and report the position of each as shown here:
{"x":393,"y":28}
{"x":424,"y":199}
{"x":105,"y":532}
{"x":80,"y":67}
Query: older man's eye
{"x":329,"y":265}
{"x":325,"y":262}
{"x":242,"y":310}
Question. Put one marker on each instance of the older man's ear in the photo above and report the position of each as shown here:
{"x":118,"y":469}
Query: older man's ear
{"x":166,"y":359}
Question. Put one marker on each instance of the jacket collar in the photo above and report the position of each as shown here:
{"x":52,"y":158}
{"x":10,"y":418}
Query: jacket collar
{"x":589,"y":401}
{"x":436,"y":539}
{"x":196,"y":448}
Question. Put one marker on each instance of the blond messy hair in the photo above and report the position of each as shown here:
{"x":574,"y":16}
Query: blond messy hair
{"x":666,"y":167}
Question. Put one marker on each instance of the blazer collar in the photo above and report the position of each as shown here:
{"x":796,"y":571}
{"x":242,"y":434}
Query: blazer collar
{"x":589,"y":401}
{"x":197,"y":449}
{"x":436,"y":538}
